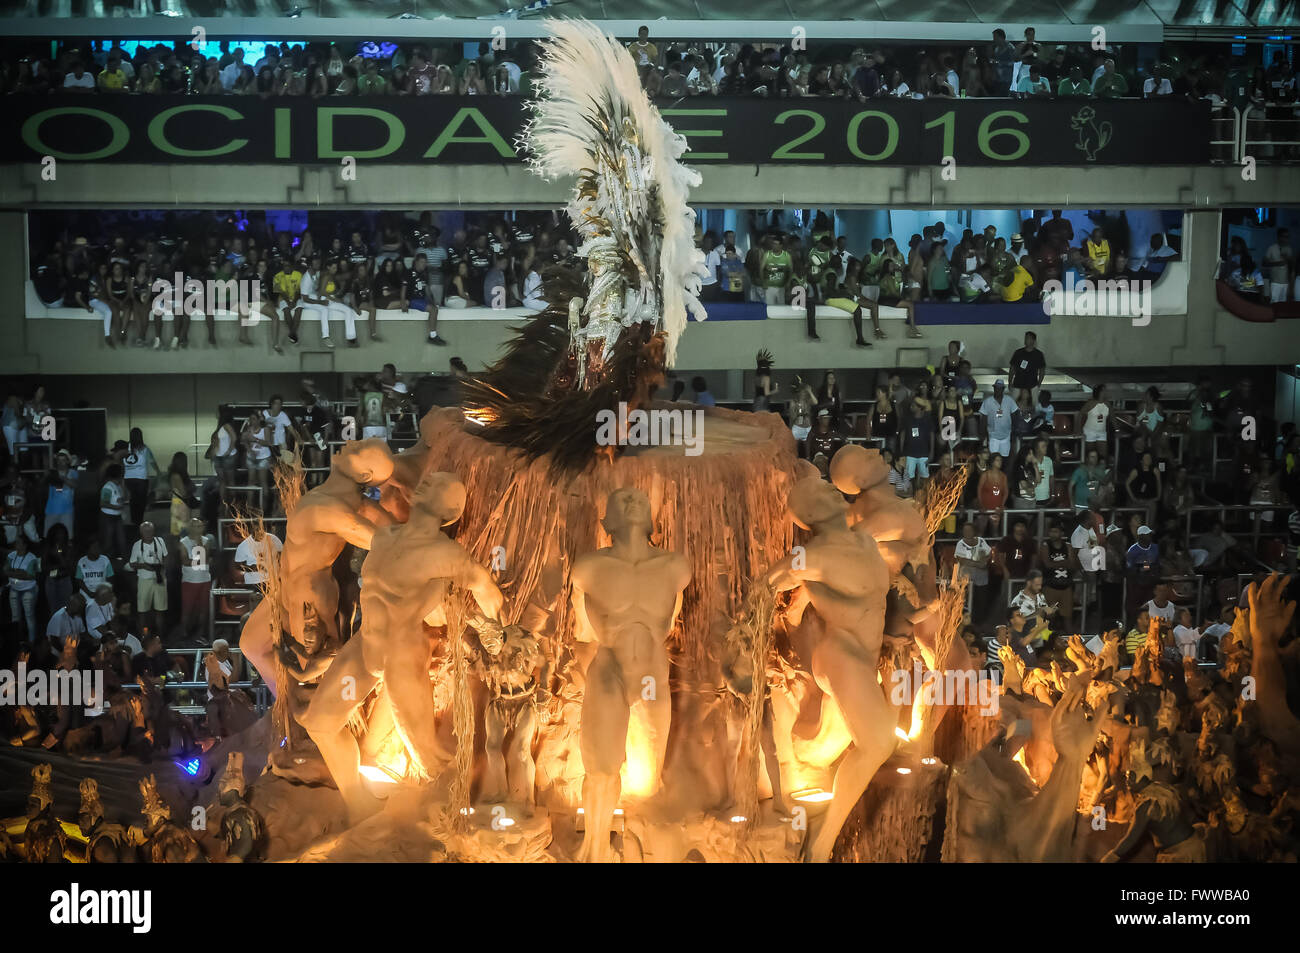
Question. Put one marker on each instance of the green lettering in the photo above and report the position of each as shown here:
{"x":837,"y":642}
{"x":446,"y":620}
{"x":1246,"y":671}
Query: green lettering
{"x":32,"y":133}
{"x":283,"y":141}
{"x":489,"y":135}
{"x":325,"y":132}
{"x":158,"y":131}
{"x":697,"y":133}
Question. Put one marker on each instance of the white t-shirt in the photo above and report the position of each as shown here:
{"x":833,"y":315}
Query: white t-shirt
{"x":1160,"y":87}
{"x":97,"y":615}
{"x":259,"y":451}
{"x":1277,"y":273}
{"x":94,"y":572}
{"x":1035,"y":605}
{"x":86,"y":82}
{"x":135,"y":465}
{"x":280,"y":421}
{"x":1094,"y":426}
{"x":29,"y":563}
{"x":1187,"y":638}
{"x":152,"y":553}
{"x":63,"y":624}
{"x":197,"y":569}
{"x":973,"y":282}
{"x":307,"y":288}
{"x":249,"y":551}
{"x":1166,"y":613}
{"x":978,"y":550}
{"x":114,"y":494}
{"x":712,"y":261}
{"x":533,"y":292}
{"x":225,"y":446}
{"x":1218,"y":630}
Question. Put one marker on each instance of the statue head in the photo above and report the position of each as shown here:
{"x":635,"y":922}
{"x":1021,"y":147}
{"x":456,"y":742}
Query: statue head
{"x":92,"y":811}
{"x":813,"y":502}
{"x":442,"y":496}
{"x":854,"y":469}
{"x":627,"y":511}
{"x":365,"y":461}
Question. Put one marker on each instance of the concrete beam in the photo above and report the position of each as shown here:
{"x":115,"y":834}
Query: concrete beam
{"x":90,"y":185}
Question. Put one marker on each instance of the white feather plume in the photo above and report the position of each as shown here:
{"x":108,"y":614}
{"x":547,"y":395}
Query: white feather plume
{"x":591,"y":116}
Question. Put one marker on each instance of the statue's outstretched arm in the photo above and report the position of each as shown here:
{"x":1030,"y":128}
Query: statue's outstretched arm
{"x":1137,"y":829}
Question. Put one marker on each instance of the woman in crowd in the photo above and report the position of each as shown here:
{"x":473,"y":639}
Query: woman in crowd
{"x":471,"y":82}
{"x":147,"y":80}
{"x":60,"y":496}
{"x":1096,"y":423}
{"x":950,"y":415}
{"x":118,"y":293}
{"x":830,"y":398}
{"x":992,"y":498}
{"x":223,"y":449}
{"x":140,"y":297}
{"x":258,"y":440}
{"x":884,"y":419}
{"x":113,"y":500}
{"x":1027,"y":475}
{"x":58,"y":563}
{"x":138,"y":468}
{"x":183,"y":500}
{"x":22,"y":567}
{"x":1143,"y":486}
{"x":314,"y":83}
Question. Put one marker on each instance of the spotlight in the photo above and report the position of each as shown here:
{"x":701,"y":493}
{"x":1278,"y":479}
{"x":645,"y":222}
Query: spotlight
{"x":904,"y":770}
{"x":812,"y":796}
{"x":467,"y":811}
{"x":376,"y":774}
{"x":929,"y":760}
{"x":738,"y":818}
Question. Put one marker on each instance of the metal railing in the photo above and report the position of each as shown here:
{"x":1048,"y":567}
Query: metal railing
{"x":1252,"y":133}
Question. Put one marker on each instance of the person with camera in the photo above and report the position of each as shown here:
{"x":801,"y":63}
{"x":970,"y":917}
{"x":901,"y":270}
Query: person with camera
{"x":147,"y":557}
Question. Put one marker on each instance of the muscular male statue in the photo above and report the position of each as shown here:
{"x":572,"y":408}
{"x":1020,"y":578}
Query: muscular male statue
{"x":405,"y":582}
{"x":625,"y":598}
{"x":325,"y":520}
{"x":845,"y":581}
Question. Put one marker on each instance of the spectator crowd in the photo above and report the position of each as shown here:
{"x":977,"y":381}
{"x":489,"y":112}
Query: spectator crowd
{"x":128,"y":564}
{"x":1018,"y":67}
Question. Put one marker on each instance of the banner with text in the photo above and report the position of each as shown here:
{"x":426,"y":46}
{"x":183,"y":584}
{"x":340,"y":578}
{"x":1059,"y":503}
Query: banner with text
{"x":478,"y":130}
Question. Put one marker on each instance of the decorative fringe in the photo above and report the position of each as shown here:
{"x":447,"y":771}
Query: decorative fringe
{"x":289,"y":479}
{"x":246,"y":522}
{"x":942,"y":496}
{"x":754,"y":626}
{"x":462,"y":716}
{"x":724,"y":511}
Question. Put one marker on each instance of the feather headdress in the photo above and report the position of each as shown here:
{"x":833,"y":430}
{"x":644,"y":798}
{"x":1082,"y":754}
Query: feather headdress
{"x":608,"y":337}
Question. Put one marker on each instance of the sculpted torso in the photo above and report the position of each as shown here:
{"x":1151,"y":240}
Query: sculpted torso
{"x":630,"y":607}
{"x":847,"y":583}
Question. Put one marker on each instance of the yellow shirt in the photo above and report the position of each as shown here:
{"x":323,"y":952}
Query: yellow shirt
{"x":111,"y":80}
{"x":1099,"y":254}
{"x":1020,"y":282}
{"x":287,"y":285}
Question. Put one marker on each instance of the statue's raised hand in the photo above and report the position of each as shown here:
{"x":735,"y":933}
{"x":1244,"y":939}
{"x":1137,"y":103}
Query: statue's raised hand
{"x":1270,"y":613}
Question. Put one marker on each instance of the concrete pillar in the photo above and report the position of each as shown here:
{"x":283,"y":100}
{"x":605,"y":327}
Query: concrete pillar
{"x":13,"y":294}
{"x":1200,"y":344}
